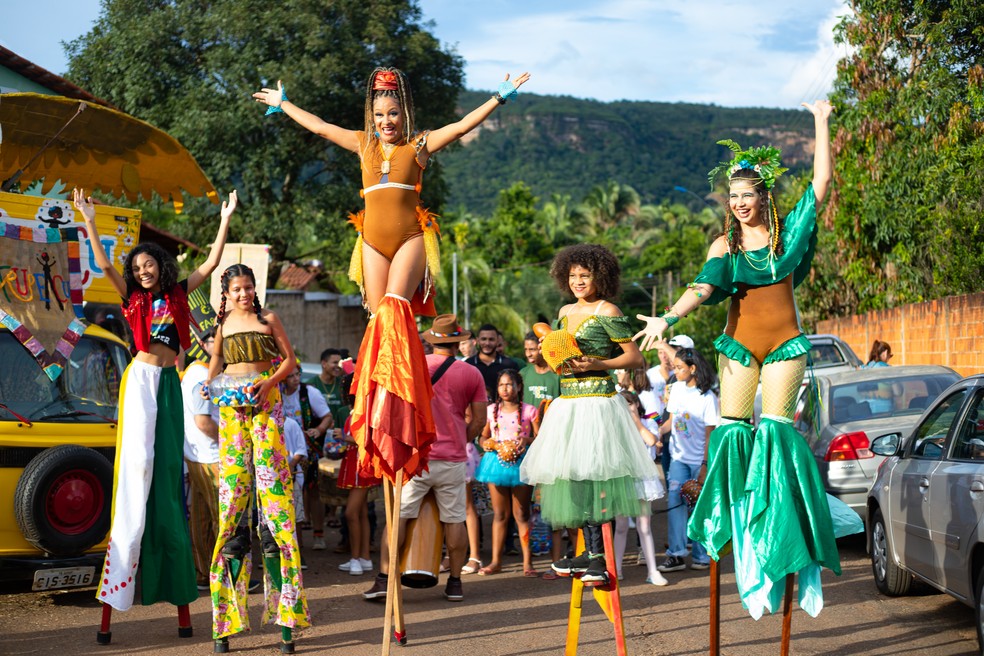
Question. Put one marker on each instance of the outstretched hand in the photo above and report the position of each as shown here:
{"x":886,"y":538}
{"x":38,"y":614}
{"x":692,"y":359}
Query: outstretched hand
{"x":228,"y":207}
{"x":652,"y":334}
{"x":520,"y":79}
{"x":84,"y":204}
{"x":272,"y":97}
{"x":819,"y":108}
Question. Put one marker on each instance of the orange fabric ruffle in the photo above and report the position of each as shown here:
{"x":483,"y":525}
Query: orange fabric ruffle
{"x":392,"y":421}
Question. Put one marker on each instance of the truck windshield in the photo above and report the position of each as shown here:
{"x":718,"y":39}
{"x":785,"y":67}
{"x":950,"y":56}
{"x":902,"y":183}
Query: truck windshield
{"x":87,"y":391}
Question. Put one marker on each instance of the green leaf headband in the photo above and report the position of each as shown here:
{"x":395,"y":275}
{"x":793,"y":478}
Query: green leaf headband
{"x":764,"y":160}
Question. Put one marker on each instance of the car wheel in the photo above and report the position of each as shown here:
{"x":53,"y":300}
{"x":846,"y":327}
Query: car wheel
{"x":890,"y":579}
{"x":63,"y":499}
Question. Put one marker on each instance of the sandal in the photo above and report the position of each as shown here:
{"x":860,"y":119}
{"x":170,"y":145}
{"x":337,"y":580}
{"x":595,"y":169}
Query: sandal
{"x":550,"y":575}
{"x":531,"y":573}
{"x":471,"y":569}
{"x":445,"y":565}
{"x":489,"y":571}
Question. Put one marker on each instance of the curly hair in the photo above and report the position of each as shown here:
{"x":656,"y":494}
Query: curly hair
{"x":597,"y":259}
{"x":768,"y":210}
{"x":235,"y":271}
{"x":167,"y":267}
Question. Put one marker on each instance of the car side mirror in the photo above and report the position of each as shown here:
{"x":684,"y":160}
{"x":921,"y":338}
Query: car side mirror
{"x":887,"y":445}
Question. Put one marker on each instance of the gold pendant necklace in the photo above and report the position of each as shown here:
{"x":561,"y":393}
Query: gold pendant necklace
{"x":384,"y":168}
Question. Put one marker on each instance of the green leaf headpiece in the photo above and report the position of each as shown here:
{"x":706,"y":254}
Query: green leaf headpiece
{"x":764,"y":160}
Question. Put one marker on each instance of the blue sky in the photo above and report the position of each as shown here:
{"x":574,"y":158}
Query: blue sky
{"x":768,"y":53}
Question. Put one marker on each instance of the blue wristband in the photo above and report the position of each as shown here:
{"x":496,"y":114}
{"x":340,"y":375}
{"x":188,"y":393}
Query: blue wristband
{"x":508,"y":90}
{"x":283,"y":98}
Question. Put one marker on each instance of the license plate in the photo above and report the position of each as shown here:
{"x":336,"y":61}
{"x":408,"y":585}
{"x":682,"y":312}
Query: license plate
{"x":63,"y":577}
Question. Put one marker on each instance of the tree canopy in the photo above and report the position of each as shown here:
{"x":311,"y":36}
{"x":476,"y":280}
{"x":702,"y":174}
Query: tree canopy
{"x":906,"y":212}
{"x":190,"y":67}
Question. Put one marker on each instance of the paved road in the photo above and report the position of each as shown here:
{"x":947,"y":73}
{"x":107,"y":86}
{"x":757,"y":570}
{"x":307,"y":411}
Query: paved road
{"x":509,"y":615}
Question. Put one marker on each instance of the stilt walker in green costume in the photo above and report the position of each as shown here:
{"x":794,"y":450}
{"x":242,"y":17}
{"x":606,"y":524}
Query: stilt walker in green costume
{"x":762,"y":492}
{"x":149,"y":556}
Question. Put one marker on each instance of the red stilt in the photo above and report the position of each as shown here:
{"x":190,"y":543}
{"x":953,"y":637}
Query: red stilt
{"x":104,"y":636}
{"x":184,"y":622}
{"x":715,"y":608}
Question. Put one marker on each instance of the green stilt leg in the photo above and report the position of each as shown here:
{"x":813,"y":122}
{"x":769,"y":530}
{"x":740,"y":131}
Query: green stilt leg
{"x":272,"y":565}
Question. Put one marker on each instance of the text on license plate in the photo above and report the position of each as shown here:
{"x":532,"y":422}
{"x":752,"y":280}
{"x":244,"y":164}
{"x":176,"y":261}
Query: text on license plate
{"x":63,"y":577}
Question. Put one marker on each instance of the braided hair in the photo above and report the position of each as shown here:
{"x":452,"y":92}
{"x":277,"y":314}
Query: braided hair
{"x":235,"y":271}
{"x":401,"y":95}
{"x":767,"y":210}
{"x":517,"y":381}
{"x":166,"y":265}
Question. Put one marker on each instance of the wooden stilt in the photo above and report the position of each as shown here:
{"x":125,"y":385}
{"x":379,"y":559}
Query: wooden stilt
{"x":184,"y":622}
{"x":787,"y":616}
{"x":615,"y":598}
{"x":607,"y":597}
{"x":394,"y":596}
{"x":715,"y":575}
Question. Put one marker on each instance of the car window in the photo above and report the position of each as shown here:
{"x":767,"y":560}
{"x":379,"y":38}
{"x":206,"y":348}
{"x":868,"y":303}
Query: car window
{"x":887,"y":396}
{"x":825,"y":354}
{"x":969,"y":442}
{"x":929,"y":438}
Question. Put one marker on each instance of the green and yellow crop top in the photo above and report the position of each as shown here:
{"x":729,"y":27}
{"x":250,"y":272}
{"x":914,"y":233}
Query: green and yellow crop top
{"x":248,"y":346}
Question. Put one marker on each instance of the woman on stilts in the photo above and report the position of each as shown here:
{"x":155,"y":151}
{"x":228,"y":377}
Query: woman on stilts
{"x":149,"y":547}
{"x":253,"y":463}
{"x":394,"y":262}
{"x":762,"y":492}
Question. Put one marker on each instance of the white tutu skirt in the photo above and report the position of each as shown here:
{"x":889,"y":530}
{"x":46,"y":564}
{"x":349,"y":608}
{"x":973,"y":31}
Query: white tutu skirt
{"x":590,"y":462}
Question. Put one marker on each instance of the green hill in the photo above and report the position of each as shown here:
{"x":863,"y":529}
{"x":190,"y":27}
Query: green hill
{"x":559,"y":144}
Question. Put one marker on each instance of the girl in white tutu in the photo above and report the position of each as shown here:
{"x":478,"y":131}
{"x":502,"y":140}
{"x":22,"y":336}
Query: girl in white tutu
{"x":588,"y":459}
{"x":509,"y":430}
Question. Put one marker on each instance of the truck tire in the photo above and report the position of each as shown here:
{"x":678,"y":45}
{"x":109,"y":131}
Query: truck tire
{"x":63,"y":499}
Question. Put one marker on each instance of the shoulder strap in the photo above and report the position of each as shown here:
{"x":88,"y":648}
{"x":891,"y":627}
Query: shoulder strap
{"x":440,"y":370}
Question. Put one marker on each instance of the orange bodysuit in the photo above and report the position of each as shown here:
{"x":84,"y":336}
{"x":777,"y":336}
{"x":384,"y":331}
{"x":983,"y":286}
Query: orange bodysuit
{"x":763,"y":318}
{"x":392,"y":211}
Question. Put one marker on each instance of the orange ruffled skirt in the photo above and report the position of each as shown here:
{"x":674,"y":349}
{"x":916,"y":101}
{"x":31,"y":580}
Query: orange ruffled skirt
{"x":392,"y":421}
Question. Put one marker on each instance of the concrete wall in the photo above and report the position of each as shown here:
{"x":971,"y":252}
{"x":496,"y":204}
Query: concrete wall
{"x":319,"y":320}
{"x":947,"y":331}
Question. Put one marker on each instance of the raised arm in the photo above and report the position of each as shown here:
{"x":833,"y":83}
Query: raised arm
{"x":347,"y":139}
{"x":447,"y":135}
{"x":689,"y":301}
{"x":822,"y":163}
{"x":86,"y":207}
{"x":201,"y":274}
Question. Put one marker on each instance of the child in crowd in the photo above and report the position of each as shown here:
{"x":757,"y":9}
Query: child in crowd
{"x":652,"y":489}
{"x":510,"y":428}
{"x":694,"y":413}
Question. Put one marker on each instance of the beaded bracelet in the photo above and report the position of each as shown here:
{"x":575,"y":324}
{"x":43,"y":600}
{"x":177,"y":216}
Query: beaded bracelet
{"x":283,"y":98}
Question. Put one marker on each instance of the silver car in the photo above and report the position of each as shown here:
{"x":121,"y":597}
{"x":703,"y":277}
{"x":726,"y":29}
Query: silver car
{"x":926,"y":506}
{"x":843,"y":413}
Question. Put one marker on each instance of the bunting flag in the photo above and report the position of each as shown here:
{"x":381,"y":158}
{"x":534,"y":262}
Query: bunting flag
{"x":41,"y":291}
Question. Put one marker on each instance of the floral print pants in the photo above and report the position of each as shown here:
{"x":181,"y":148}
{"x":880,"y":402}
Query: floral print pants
{"x":251,"y":445}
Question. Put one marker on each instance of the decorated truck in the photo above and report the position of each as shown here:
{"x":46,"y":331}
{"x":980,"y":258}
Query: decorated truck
{"x":60,"y":374}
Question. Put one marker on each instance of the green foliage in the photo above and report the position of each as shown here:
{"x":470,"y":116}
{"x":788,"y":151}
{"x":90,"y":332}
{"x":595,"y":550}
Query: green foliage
{"x":566,"y":146}
{"x":906,"y":208}
{"x":189,"y":67}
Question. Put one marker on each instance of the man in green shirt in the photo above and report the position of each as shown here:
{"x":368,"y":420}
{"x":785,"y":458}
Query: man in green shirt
{"x":331,"y":383}
{"x":540,"y":383}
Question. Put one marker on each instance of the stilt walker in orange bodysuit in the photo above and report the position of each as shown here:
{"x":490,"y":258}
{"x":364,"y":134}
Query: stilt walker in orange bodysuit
{"x":394,"y":262}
